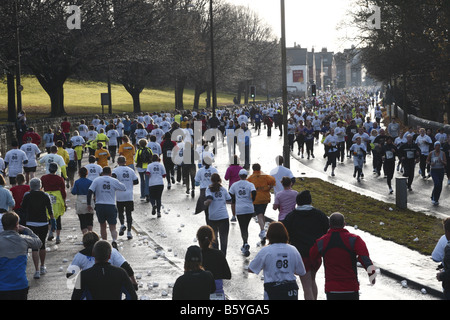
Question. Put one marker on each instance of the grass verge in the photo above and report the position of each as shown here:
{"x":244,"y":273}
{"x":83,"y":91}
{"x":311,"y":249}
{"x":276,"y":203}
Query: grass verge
{"x":380,"y":219}
{"x":83,"y":97}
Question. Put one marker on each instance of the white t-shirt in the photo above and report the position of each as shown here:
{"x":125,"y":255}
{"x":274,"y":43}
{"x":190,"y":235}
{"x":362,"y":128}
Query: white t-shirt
{"x":158,"y":133}
{"x":438,"y":252}
{"x":280,"y":262}
{"x":112,"y":135}
{"x":340,"y":133}
{"x":104,"y":188}
{"x":155,"y":147}
{"x":157,"y":171}
{"x":53,"y":158}
{"x":203,"y":176}
{"x":278,"y":173}
{"x":31,"y":151}
{"x":84,"y":262}
{"x":424,"y":142}
{"x":94,"y":171}
{"x":15,"y":159}
{"x":242,"y":191}
{"x":127,"y":176}
{"x":218,"y":207}
{"x":77,"y":141}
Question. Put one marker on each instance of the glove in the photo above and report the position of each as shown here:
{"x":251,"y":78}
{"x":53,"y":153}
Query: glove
{"x":53,"y":223}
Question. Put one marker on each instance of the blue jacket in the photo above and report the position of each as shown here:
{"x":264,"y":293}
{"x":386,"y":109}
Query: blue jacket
{"x":13,"y":258}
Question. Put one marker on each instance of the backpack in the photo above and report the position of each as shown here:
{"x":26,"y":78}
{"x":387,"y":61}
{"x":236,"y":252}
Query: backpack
{"x":145,"y":155}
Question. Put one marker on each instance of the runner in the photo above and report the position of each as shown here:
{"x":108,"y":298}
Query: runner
{"x":304,"y":225}
{"x":81,"y":189}
{"x":127,"y":150}
{"x":38,"y":208}
{"x":438,"y":162}
{"x":124,"y":199}
{"x":263,"y":184}
{"x":410,"y":155}
{"x":167,"y":146}
{"x":104,"y":189}
{"x":217,"y":197}
{"x":243,"y":193}
{"x":53,"y":185}
{"x":359,"y":152}
{"x":279,"y":273}
{"x":331,"y":151}
{"x":157,"y":174}
{"x":15,"y":159}
{"x":143,"y":158}
{"x":389,"y":153}
{"x":33,"y":152}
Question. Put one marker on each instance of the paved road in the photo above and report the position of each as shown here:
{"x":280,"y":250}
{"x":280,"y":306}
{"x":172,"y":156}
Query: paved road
{"x":156,"y":253}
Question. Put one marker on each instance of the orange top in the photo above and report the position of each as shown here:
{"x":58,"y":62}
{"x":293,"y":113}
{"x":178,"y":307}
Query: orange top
{"x":127,"y":150}
{"x":102,"y":156}
{"x":263,"y":184}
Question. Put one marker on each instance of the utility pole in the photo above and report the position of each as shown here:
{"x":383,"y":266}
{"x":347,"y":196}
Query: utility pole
{"x":286,"y":149}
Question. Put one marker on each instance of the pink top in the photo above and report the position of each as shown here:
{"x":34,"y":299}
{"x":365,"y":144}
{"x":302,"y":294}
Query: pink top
{"x":232,"y":174}
{"x":286,"y":200}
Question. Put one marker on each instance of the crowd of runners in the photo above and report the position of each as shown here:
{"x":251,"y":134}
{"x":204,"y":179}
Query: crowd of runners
{"x":102,"y":160}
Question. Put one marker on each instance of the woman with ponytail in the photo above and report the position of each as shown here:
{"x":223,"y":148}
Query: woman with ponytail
{"x":213,"y":260}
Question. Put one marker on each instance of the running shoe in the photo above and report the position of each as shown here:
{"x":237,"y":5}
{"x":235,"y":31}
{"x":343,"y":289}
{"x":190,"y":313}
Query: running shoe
{"x":122,"y":230}
{"x":114,"y":245}
{"x":245,"y":250}
{"x":58,"y":240}
{"x":37,"y":275}
{"x":43,"y":270}
{"x":129,"y":235}
{"x":154,"y":210}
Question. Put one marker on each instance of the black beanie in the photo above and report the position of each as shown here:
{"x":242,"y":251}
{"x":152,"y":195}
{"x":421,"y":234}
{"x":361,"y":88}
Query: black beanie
{"x":303,"y":198}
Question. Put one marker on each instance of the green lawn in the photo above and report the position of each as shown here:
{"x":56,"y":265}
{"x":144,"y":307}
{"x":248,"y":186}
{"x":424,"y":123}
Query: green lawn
{"x":376,"y":217}
{"x":84,"y":97}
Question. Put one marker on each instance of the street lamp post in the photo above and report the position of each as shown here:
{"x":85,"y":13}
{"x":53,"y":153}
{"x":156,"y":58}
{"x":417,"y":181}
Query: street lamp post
{"x":286,"y":149}
{"x":19,"y":87}
{"x":213,"y":77}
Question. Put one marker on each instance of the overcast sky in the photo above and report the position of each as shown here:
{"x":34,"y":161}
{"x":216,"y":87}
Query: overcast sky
{"x":308,"y":22}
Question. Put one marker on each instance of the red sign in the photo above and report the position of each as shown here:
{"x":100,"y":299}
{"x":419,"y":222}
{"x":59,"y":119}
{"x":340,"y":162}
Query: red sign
{"x":298,"y":76}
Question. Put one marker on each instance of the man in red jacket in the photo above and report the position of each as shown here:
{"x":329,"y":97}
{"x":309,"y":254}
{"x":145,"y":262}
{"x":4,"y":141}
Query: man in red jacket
{"x":340,"y":251}
{"x":35,"y":137}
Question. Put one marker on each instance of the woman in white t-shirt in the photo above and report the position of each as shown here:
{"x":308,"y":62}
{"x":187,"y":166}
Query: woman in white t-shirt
{"x":157,"y":174}
{"x":280,"y":262}
{"x":217,"y":198}
{"x":243,"y":193}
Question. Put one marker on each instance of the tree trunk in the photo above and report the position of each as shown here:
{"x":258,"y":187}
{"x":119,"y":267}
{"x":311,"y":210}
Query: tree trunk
{"x":240,"y":90}
{"x":136,"y":95}
{"x":198,"y":92}
{"x":56,"y":94}
{"x":179,"y":91}
{"x":208,"y":98}
{"x":11,"y":98}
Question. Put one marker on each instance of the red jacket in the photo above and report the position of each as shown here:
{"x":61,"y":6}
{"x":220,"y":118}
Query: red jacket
{"x":340,"y":251}
{"x":53,"y":182}
{"x":35,"y":138}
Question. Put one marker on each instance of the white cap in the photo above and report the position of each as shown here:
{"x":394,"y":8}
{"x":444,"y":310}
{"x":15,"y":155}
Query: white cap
{"x":243,"y":172}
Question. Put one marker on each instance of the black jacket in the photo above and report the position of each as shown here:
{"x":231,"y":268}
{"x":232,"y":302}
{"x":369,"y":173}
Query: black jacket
{"x":305,"y":227}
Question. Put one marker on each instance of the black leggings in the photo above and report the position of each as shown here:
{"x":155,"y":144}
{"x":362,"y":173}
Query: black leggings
{"x":127,"y":207}
{"x":244,"y":221}
{"x":221,"y":229}
{"x":155,"y":194}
